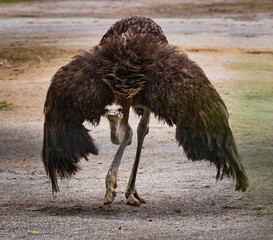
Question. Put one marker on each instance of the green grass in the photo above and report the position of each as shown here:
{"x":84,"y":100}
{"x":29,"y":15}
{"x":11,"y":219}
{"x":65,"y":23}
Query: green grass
{"x":4,"y":104}
{"x":15,"y":1}
{"x":253,"y":63}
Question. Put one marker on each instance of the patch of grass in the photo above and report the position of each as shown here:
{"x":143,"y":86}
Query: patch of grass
{"x":253,"y":63}
{"x":4,"y":104}
{"x":15,"y":1}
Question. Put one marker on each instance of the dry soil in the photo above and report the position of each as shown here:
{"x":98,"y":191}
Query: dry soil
{"x":231,"y":41}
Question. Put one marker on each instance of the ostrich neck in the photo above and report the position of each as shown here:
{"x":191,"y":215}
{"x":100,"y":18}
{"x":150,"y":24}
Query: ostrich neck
{"x":117,"y":131}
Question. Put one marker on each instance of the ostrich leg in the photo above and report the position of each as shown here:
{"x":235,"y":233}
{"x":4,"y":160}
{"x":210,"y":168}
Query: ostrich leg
{"x":142,"y":130}
{"x":111,"y":178}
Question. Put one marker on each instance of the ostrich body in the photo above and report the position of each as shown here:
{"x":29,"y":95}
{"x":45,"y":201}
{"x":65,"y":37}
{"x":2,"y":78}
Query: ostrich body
{"x":135,"y":67}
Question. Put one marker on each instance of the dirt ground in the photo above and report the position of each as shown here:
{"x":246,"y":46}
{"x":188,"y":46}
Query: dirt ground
{"x":232,"y":42}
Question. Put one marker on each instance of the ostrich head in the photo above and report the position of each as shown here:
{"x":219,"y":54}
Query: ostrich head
{"x":117,"y":128}
{"x":113,"y":113}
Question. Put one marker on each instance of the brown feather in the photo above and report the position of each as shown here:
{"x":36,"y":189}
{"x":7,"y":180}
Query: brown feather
{"x":135,"y":66}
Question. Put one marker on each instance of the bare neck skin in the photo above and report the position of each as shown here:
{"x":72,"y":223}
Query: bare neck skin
{"x":114,"y":115}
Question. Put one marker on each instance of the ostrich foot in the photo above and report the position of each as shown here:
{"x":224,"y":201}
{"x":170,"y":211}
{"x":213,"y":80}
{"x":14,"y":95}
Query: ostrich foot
{"x":134,"y":199}
{"x":111,"y":185}
{"x":109,"y":196}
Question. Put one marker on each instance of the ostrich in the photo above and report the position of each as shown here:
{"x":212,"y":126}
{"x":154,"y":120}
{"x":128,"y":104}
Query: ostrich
{"x":134,"y":66}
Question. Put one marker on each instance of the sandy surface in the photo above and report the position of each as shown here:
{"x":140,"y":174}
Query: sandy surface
{"x":231,"y":41}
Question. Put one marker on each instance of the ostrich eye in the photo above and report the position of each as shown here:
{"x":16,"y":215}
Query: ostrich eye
{"x":106,"y":110}
{"x":119,"y":109}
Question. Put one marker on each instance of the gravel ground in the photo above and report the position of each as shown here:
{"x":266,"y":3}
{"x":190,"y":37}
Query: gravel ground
{"x":232,"y":42}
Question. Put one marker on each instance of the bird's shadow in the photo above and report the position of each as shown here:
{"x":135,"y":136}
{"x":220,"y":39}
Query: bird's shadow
{"x":176,"y":206}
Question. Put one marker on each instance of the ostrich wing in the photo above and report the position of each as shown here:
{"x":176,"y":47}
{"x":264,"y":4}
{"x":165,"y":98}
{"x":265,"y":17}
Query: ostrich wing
{"x":179,"y":93}
{"x":75,"y":94}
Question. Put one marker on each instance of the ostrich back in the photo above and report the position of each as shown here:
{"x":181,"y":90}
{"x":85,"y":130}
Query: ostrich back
{"x":129,"y":27}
